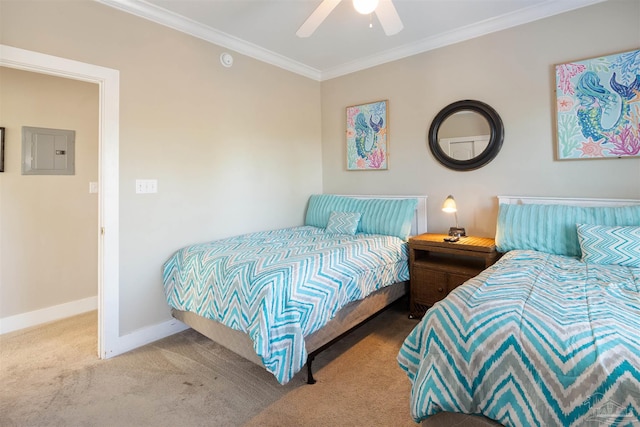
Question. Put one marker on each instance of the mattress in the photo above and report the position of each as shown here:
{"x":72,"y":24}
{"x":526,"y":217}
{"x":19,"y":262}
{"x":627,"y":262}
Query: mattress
{"x":281,"y":286}
{"x":536,"y":339}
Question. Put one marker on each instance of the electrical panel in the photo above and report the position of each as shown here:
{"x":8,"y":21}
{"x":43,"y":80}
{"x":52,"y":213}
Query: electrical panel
{"x":48,"y":151}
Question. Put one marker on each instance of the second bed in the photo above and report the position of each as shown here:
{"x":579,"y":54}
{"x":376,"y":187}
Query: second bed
{"x":278,"y":297}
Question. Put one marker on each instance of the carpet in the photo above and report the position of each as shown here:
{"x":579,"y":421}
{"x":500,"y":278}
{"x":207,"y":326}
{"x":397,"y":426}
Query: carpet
{"x":50,"y":376}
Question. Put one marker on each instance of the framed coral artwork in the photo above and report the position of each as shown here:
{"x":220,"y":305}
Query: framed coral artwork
{"x":367,"y":136}
{"x":598,"y":107}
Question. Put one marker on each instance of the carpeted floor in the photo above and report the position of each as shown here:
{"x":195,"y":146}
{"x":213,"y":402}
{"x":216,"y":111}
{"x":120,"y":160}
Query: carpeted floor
{"x":51,"y":376}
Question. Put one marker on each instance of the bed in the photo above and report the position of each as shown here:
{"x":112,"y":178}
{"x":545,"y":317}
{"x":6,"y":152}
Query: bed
{"x":549,"y":335}
{"x":279,"y":297}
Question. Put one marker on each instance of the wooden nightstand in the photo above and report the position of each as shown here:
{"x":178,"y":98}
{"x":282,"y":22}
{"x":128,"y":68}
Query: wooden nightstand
{"x":437,"y":267}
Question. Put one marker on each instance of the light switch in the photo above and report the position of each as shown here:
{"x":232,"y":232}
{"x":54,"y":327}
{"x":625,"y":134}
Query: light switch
{"x":93,"y":187}
{"x":146,"y":186}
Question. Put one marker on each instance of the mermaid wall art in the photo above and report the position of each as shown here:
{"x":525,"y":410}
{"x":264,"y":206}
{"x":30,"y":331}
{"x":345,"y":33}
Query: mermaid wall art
{"x":598,"y":107}
{"x":367,"y":141}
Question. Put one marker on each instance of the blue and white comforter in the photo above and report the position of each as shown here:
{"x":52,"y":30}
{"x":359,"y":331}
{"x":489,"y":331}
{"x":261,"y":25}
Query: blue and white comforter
{"x":536,"y":339}
{"x":282,"y":285}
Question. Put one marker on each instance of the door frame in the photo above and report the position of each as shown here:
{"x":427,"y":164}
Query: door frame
{"x":108,"y":81}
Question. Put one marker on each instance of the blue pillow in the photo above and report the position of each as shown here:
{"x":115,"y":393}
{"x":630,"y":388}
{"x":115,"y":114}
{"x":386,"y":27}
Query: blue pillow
{"x":602,"y":244}
{"x":552,"y":228}
{"x":343,"y":222}
{"x":391,"y":217}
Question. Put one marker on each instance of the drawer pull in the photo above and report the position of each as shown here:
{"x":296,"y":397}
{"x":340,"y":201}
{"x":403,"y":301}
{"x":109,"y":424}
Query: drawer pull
{"x":440,"y":290}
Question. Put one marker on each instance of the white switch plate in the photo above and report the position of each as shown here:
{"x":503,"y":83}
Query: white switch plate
{"x":146,"y":186}
{"x":93,"y":187}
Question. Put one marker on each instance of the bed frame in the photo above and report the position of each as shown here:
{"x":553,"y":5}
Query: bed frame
{"x":346,"y":320}
{"x":527,"y":200}
{"x":451,"y":419}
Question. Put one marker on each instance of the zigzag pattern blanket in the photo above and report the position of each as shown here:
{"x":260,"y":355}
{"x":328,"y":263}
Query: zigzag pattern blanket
{"x":536,"y":339}
{"x":282,"y":285}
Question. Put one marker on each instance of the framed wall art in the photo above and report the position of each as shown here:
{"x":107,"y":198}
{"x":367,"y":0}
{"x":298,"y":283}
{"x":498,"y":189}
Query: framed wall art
{"x":1,"y":149}
{"x":598,"y":107}
{"x":367,"y":136}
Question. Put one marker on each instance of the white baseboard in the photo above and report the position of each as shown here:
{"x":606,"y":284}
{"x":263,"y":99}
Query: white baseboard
{"x":123,"y":343}
{"x":145,"y":336}
{"x":49,"y":314}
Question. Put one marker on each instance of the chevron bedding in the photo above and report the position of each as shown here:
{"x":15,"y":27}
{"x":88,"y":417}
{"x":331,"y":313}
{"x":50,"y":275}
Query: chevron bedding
{"x":536,"y":339}
{"x":282,"y":285}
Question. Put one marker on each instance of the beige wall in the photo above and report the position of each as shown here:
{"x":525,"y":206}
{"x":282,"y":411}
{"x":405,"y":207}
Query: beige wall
{"x":49,"y":224}
{"x":241,"y":149}
{"x":513,"y":71}
{"x":233,"y":149}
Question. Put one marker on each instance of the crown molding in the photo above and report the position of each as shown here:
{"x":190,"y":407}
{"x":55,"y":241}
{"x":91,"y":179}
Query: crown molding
{"x":162,"y":16}
{"x":523,"y":16}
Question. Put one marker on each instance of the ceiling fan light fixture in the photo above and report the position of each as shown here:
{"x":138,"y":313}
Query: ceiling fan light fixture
{"x":365,"y":7}
{"x":385,"y":11}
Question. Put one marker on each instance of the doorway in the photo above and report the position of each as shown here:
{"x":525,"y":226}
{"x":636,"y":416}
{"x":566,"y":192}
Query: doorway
{"x":108,"y":81}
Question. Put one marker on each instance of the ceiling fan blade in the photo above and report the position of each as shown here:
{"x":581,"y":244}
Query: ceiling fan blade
{"x":389,"y":18}
{"x":315,"y":19}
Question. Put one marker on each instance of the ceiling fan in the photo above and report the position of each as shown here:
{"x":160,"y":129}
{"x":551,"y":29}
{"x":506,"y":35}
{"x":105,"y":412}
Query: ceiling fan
{"x":384,"y":9}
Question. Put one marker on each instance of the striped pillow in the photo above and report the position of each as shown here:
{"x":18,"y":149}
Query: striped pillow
{"x":390,"y":217}
{"x":343,"y":222}
{"x":610,"y":245}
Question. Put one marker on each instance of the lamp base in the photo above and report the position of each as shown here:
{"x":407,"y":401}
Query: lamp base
{"x":457,"y":231}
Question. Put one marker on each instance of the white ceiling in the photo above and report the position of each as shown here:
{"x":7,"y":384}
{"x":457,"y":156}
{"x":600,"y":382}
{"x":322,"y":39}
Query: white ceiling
{"x":344,"y":43}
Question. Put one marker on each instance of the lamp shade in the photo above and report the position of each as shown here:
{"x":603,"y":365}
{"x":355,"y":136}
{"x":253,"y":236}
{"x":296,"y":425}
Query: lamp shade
{"x":365,"y":7}
{"x":449,"y":205}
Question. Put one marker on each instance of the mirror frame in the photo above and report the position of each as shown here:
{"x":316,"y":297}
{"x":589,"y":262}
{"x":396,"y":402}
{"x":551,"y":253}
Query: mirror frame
{"x":495,"y":140}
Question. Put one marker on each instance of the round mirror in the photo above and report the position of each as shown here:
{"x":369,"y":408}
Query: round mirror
{"x":466,"y":135}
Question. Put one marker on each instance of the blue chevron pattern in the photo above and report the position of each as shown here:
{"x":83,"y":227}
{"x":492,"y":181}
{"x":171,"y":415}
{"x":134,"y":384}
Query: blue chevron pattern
{"x":535,"y":340}
{"x":343,"y":222}
{"x":279,"y":286}
{"x":601,"y":244}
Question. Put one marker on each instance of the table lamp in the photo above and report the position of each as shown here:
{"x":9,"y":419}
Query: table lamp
{"x":449,"y":206}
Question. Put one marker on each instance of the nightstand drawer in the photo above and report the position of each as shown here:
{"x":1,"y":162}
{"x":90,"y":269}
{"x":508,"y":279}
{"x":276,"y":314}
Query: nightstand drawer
{"x":455,"y":280}
{"x":430,"y":285}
